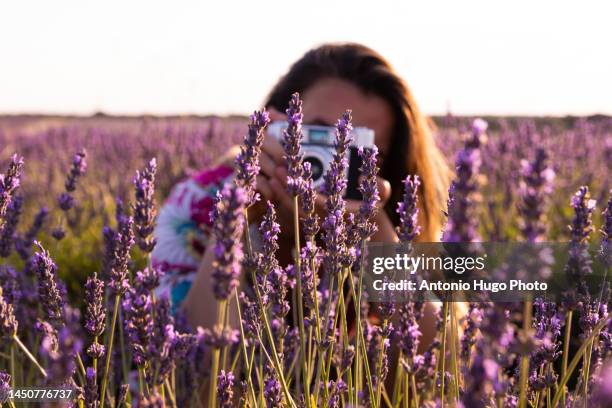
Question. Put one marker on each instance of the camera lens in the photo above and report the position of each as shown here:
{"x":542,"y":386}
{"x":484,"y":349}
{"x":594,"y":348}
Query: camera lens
{"x":316,"y":165}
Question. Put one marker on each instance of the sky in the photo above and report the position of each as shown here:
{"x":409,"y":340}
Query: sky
{"x":531,"y":57}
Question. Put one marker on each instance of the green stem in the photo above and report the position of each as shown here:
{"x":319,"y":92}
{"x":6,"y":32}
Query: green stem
{"x":525,"y":358}
{"x":212,"y":390}
{"x":566,"y":341}
{"x":29,"y":355}
{"x":109,"y":351}
{"x":298,"y":280}
{"x":443,"y":352}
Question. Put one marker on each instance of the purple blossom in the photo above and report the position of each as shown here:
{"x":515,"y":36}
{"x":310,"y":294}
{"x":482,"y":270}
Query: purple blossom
{"x":292,"y":138}
{"x":225,"y":389}
{"x":124,"y":239}
{"x":8,"y":322}
{"x":310,"y":261}
{"x":61,"y":356}
{"x":247,"y":161}
{"x":334,"y":228}
{"x":91,"y":389}
{"x":474,"y":318}
{"x":228,"y":217}
{"x":23,"y":245}
{"x":408,"y":210}
{"x":462,"y":223}
{"x":408,"y":333}
{"x":606,"y":233}
{"x":310,"y":219}
{"x":137,"y":309}
{"x":49,"y":292}
{"x":534,"y":188}
{"x":9,"y":283}
{"x":7,"y":234}
{"x":368,"y":187}
{"x":336,"y":389}
{"x":272,"y":389}
{"x":5,"y":386}
{"x":78,"y":169}
{"x":9,"y":183}
{"x":602,"y":395}
{"x":144,"y":206}
{"x":269,"y":230}
{"x":95,"y":313}
{"x":153,"y":400}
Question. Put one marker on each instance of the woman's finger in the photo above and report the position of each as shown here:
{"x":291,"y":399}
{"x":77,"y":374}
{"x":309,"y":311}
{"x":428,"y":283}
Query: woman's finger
{"x":263,"y":187}
{"x":273,"y":148}
{"x":384,"y":190}
{"x":281,"y":196}
{"x":280,"y":173}
{"x":267,"y":165}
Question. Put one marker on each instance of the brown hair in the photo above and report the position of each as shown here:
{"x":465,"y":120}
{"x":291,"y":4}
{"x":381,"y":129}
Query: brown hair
{"x":413,"y":149}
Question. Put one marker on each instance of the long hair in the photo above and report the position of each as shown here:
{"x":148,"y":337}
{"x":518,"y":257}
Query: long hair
{"x":413,"y":149}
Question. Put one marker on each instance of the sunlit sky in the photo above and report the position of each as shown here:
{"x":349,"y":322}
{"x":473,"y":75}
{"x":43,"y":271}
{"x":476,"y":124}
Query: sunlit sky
{"x":222,"y":56}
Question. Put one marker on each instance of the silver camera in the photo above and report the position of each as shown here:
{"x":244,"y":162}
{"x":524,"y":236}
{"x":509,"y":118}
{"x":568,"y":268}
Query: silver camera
{"x":318,"y":150}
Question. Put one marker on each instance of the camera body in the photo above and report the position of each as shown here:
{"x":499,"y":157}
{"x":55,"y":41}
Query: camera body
{"x":318,"y":149}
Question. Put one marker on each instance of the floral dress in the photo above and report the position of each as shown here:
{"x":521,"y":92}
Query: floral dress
{"x":182,"y":231}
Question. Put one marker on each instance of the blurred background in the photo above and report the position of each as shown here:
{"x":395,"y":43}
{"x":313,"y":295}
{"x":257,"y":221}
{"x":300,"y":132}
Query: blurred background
{"x":132,"y":80}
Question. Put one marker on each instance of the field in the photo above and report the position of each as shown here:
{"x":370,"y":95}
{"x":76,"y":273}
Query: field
{"x":579,"y":153}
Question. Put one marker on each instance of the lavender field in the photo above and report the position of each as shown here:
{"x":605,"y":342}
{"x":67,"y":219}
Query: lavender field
{"x":524,"y":179}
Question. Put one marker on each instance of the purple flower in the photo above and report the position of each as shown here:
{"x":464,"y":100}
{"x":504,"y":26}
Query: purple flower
{"x":24,"y":244}
{"x":78,"y":168}
{"x":582,"y":223}
{"x":148,"y":278}
{"x":408,"y":333}
{"x":481,"y":381}
{"x":247,"y":161}
{"x":272,"y":389}
{"x":292,"y":138}
{"x":606,"y":232}
{"x":369,"y":192}
{"x":9,"y":283}
{"x":534,"y":188}
{"x":336,"y":389}
{"x":91,"y":389}
{"x":310,"y":261}
{"x":8,"y":322}
{"x":124,"y":239}
{"x":225,"y":389}
{"x":153,"y":400}
{"x":462,"y":223}
{"x":5,"y":386}
{"x":137,"y":308}
{"x":310,"y":219}
{"x":144,"y":207}
{"x":334,"y":228}
{"x":49,"y":292}
{"x":474,"y":318}
{"x":7,"y":234}
{"x":269,"y":230}
{"x":221,"y":337}
{"x":408,"y":210}
{"x":95,"y":312}
{"x":9,"y":183}
{"x":228,"y":217}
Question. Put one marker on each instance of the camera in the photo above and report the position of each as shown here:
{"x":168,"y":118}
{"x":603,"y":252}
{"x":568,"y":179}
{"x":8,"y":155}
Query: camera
{"x":318,"y":150}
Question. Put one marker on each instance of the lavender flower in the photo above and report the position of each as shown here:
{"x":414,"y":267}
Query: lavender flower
{"x":310,"y":220}
{"x":272,"y":389}
{"x":474,"y":318}
{"x":79,"y":166}
{"x":9,"y":282}
{"x":95,"y":311}
{"x":153,"y":400}
{"x":536,"y":184}
{"x":49,"y":292}
{"x":144,"y":207}
{"x":91,"y":389}
{"x":292,"y":137}
{"x":9,"y":183}
{"x":137,"y":308}
{"x":462,"y":223}
{"x":602,"y":395}
{"x":336,"y":389}
{"x":247,"y":161}
{"x":24,"y":244}
{"x":7,"y":234}
{"x":408,"y":210}
{"x":606,"y":232}
{"x":8,"y":322}
{"x":5,"y":386}
{"x":228,"y":217}
{"x":225,"y":389}
{"x":124,"y":239}
{"x":369,"y":191}
{"x":334,"y":227}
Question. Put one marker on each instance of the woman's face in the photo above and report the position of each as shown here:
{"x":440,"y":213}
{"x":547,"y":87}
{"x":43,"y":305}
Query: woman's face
{"x":327,"y":99}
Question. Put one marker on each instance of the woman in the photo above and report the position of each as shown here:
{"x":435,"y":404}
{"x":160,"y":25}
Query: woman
{"x":330,"y":79}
